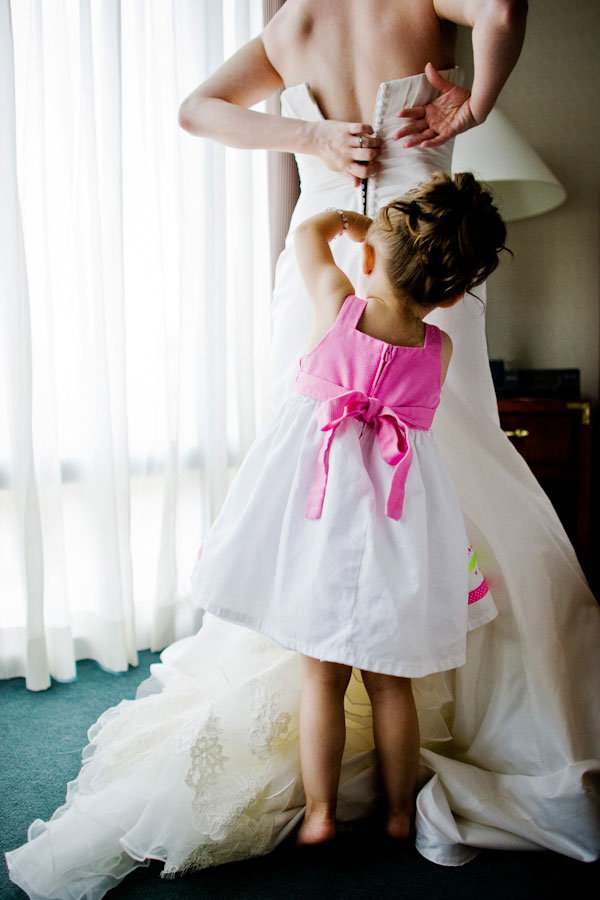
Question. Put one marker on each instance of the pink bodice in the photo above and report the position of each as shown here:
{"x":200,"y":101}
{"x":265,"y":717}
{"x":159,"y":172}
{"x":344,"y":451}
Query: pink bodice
{"x":390,"y":387}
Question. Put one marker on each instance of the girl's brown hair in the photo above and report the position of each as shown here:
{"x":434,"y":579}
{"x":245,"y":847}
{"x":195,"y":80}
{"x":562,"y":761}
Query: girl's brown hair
{"x":441,"y":239}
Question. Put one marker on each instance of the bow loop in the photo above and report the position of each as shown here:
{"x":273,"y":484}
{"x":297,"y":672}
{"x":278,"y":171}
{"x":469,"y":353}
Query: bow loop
{"x":392,"y":435}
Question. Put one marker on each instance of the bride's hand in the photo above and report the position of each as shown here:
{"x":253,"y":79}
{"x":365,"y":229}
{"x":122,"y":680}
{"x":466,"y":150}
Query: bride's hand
{"x":436,"y":122}
{"x":349,"y":147}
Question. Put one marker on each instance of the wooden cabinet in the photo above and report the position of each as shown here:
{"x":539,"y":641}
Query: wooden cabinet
{"x":554,"y":436}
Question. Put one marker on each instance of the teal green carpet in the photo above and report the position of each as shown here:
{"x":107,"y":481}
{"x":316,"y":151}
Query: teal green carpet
{"x":41,"y":738}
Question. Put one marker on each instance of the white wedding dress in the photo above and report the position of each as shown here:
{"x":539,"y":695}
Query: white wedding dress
{"x":202,"y":767}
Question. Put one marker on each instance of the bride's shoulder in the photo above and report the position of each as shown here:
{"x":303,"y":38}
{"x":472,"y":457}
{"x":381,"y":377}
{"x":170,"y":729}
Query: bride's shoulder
{"x":286,"y":31}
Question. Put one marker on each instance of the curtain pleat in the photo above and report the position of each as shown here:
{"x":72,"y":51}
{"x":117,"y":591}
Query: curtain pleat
{"x":21,"y":639}
{"x":135,"y":288}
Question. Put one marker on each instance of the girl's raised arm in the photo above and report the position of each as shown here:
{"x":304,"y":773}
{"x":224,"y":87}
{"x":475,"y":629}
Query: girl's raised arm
{"x":326,"y":284}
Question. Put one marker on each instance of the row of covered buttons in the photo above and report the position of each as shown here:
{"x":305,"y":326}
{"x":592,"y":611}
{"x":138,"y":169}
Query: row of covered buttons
{"x":380,"y":107}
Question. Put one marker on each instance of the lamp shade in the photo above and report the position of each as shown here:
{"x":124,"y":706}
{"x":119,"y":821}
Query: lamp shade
{"x":496,"y":153}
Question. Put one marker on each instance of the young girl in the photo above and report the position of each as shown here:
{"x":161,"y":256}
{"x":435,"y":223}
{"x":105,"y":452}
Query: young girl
{"x":341,"y":536}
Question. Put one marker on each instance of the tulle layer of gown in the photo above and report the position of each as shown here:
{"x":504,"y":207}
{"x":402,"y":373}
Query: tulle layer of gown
{"x":202,"y":768}
{"x":205,"y":769}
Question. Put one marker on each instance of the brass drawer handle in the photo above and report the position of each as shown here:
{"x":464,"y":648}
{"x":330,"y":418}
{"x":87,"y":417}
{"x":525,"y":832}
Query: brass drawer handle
{"x":584,"y":407}
{"x":517,"y":433}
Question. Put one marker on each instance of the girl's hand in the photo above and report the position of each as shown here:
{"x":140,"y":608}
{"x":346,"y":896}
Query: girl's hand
{"x":358,"y":225}
{"x":349,"y":147}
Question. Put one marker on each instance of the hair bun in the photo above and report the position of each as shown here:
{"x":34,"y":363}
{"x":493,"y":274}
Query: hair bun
{"x":443,"y":237}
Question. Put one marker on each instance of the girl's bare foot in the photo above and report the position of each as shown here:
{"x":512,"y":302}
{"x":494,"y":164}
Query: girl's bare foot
{"x":398,"y":826}
{"x":315,"y":830}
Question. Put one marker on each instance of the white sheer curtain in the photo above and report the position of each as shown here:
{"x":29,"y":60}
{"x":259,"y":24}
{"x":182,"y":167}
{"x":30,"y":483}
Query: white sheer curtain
{"x":135,"y":322}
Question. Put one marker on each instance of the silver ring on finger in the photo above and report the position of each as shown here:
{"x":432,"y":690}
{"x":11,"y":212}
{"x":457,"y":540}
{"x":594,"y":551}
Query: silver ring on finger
{"x":360,"y":141}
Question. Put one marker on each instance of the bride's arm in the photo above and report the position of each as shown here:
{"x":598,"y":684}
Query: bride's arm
{"x":497,"y":37}
{"x":218,"y":109}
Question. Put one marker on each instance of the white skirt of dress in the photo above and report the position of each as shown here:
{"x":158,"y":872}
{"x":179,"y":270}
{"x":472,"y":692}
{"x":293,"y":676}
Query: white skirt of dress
{"x":353,"y":586}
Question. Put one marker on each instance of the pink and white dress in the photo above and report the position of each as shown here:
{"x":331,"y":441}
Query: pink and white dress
{"x":341,"y":536}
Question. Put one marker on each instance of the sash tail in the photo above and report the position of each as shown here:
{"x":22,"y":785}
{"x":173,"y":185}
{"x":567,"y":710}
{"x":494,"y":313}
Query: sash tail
{"x":396,"y":449}
{"x":395,"y":500}
{"x":316,"y":495}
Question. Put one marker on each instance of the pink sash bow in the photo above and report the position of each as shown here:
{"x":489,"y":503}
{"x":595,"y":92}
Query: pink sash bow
{"x":394,"y":444}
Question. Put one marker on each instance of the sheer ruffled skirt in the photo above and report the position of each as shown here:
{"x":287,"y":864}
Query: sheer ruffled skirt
{"x":202,"y":768}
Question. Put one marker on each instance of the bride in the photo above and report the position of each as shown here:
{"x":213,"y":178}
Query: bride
{"x":202,"y":767}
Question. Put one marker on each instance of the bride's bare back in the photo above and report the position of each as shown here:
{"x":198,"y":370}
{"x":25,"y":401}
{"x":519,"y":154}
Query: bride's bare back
{"x":345,"y":48}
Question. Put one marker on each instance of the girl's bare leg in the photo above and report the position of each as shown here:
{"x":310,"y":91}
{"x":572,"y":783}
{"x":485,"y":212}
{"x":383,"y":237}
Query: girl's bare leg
{"x":322,"y":728}
{"x":396,"y":733}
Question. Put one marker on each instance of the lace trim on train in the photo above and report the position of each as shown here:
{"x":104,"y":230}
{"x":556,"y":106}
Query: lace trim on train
{"x":225,"y":802}
{"x":270,"y":732}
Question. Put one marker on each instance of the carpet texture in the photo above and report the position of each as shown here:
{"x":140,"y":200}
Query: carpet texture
{"x":41,"y":739}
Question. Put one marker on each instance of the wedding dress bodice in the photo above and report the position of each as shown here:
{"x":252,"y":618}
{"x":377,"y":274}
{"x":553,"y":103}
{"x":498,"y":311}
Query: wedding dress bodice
{"x":400,"y":168}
